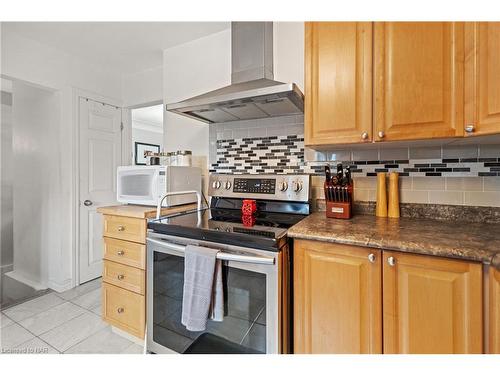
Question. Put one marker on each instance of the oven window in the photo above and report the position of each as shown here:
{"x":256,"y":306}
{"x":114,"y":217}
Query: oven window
{"x":243,"y":329}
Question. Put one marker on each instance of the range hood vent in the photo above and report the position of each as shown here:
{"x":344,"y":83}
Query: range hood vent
{"x":253,"y":94}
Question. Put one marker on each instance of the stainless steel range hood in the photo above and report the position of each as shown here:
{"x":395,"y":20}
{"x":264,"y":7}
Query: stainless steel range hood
{"x":253,"y":94}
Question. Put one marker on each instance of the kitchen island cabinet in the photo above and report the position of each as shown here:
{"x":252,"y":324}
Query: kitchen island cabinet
{"x":124,"y":273}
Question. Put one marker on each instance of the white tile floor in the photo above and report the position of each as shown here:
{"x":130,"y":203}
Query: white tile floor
{"x":68,"y":322}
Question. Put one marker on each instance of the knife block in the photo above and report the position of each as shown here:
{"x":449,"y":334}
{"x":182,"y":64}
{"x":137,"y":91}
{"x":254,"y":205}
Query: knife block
{"x":338,"y":209}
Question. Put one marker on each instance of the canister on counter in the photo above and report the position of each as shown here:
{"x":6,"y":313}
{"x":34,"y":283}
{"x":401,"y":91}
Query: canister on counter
{"x":184,"y":158}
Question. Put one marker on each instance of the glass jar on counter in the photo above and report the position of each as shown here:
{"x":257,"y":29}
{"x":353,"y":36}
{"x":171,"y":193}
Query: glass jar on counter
{"x":166,"y":158}
{"x":184,"y":158}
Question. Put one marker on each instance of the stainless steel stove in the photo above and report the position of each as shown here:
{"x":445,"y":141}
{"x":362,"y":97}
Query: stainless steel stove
{"x":256,"y":266}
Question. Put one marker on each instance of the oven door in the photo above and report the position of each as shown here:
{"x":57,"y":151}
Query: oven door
{"x":252,"y":297}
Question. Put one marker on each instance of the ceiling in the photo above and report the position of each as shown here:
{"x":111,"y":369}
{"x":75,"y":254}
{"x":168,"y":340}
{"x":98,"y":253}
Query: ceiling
{"x":152,"y":116}
{"x":126,"y":47}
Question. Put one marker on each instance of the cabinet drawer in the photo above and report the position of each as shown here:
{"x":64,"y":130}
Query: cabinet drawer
{"x":124,"y":276}
{"x":125,"y":228}
{"x":125,"y":252}
{"x":124,"y":309}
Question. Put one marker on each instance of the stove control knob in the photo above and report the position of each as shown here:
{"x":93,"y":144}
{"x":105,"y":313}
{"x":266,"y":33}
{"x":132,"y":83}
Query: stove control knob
{"x":216,"y":185}
{"x":228,"y":185}
{"x":282,"y":186}
{"x":297,"y":186}
{"x":228,"y":229}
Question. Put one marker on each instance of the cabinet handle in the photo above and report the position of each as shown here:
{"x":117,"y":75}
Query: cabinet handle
{"x":469,"y":128}
{"x":381,"y":134}
{"x":391,"y":261}
{"x":121,"y":228}
{"x":121,"y":277}
{"x":120,"y":310}
{"x":364,"y":135}
{"x":121,"y":252}
{"x":371,"y":258}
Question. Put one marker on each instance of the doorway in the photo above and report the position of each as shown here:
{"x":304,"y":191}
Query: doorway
{"x":30,"y":189}
{"x":147,"y":131}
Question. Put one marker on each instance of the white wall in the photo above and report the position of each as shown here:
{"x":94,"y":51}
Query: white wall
{"x":36,"y":182}
{"x":289,"y":52}
{"x":26,"y":60}
{"x":6,"y":218}
{"x":142,"y":87}
{"x":190,"y":69}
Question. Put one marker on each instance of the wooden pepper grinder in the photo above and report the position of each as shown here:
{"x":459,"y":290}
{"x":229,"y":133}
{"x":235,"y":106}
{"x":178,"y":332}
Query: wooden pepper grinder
{"x":394,"y":194}
{"x":381,"y":210}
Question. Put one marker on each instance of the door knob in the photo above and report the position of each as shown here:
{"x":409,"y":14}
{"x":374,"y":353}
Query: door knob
{"x":364,"y":135}
{"x":391,"y":261}
{"x":371,"y":258}
{"x":381,"y":134}
{"x":87,"y":202}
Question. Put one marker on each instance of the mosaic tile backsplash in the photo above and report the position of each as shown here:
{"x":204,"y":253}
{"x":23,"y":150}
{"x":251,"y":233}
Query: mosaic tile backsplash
{"x":285,"y":154}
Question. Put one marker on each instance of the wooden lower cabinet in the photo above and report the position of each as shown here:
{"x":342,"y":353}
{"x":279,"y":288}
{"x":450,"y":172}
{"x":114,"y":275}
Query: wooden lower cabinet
{"x":431,"y":305}
{"x":344,"y":295}
{"x":124,"y":309}
{"x":494,"y":311}
{"x":337,"y":298}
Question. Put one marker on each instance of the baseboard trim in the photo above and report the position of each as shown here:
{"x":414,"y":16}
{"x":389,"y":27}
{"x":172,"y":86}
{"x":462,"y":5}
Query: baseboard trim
{"x":22,"y":279}
{"x":127,"y":335}
{"x":60,"y":287}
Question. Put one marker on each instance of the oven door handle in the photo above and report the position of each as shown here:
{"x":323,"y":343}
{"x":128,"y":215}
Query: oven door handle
{"x":220,"y":255}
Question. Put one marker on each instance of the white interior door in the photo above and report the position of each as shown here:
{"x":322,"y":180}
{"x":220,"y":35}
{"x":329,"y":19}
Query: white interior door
{"x":100,"y":155}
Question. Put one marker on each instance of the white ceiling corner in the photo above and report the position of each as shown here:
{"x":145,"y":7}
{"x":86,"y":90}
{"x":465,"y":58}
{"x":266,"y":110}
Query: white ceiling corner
{"x":128,"y":47}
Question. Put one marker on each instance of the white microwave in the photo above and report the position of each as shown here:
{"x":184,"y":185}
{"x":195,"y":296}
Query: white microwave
{"x":144,"y":185}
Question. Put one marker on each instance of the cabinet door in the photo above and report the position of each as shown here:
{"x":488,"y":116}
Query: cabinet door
{"x":418,"y":80}
{"x":338,"y":93}
{"x":337,"y":299}
{"x":482,"y":78}
{"x":431,"y":305}
{"x":494,"y":331}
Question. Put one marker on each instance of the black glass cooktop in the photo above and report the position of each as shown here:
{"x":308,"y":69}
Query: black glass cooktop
{"x":225,"y":225}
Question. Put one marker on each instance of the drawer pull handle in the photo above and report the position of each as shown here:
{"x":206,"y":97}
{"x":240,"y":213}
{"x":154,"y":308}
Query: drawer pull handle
{"x":391,"y":261}
{"x":371,"y":258}
{"x":121,"y":277}
{"x":121,"y":228}
{"x":121,"y":252}
{"x":120,"y":310}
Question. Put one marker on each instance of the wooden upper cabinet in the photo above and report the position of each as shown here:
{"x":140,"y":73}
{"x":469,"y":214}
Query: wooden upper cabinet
{"x":482,"y":77}
{"x":418,"y":80}
{"x":431,"y":305}
{"x":494,"y":314}
{"x":337,"y":298}
{"x":338,"y":82}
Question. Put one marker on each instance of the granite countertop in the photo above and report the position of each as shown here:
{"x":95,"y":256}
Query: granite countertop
{"x":470,"y":241}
